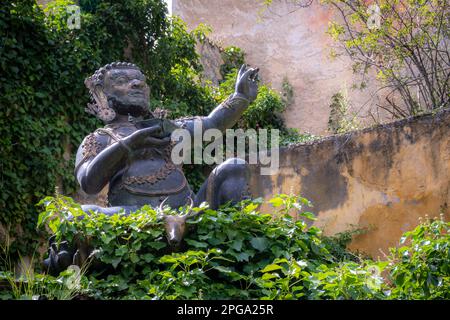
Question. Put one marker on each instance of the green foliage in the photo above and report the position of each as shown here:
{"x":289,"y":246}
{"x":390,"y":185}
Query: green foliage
{"x":43,"y":64}
{"x":201,"y":32}
{"x":288,"y":92}
{"x":337,"y":245}
{"x":222,"y":258}
{"x":341,"y":120}
{"x":66,"y":286}
{"x":403,"y":42}
{"x":23,"y":283}
{"x":237,"y":252}
{"x":292,"y":136}
{"x":421,"y":268}
{"x":233,"y":58}
{"x":264,"y":112}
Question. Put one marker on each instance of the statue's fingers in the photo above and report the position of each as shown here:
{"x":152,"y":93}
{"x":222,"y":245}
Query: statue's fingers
{"x":241,"y":70}
{"x":248,"y":73}
{"x":254,"y":74}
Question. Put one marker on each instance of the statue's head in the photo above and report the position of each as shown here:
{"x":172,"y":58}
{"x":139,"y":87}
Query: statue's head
{"x":118,"y":88}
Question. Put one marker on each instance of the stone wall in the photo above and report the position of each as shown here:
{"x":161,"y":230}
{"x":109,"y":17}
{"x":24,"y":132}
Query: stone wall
{"x":380,"y":179}
{"x":211,"y":60}
{"x":286,"y":42}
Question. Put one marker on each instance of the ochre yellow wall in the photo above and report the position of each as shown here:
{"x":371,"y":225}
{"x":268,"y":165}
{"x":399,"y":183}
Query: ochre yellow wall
{"x":381,"y":179}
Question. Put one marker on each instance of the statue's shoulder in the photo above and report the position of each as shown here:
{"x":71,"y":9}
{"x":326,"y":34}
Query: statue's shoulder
{"x":93,"y":143}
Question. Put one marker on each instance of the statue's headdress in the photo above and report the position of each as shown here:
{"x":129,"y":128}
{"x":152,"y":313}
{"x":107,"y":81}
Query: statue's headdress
{"x":99,"y":106}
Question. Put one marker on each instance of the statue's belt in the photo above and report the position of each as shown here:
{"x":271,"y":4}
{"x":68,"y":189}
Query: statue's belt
{"x":132,"y":184}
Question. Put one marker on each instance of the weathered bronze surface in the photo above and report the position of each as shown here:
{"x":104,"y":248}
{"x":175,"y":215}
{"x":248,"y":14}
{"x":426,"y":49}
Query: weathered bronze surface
{"x":132,"y":152}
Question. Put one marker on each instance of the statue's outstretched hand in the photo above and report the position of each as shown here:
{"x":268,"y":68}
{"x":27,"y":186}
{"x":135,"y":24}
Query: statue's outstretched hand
{"x":145,"y":138}
{"x":247,"y":83}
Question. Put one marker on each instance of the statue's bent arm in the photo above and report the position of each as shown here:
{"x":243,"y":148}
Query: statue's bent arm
{"x":96,"y":162}
{"x":228,"y":112}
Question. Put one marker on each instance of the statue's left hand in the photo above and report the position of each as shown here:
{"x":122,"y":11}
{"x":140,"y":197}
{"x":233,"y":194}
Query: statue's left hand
{"x":247,"y":83}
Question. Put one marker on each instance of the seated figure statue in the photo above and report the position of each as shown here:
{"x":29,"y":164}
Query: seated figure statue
{"x":132,"y":153}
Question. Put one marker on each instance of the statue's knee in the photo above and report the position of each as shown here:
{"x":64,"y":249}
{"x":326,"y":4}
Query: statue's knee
{"x":232,"y":166}
{"x":234,"y":161}
{"x":90,"y":207}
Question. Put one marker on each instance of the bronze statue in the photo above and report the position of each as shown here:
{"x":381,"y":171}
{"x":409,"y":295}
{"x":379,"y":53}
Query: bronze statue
{"x":133,"y":151}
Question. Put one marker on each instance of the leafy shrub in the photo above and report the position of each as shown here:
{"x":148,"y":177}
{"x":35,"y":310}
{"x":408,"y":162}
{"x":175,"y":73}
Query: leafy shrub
{"x":233,"y":57}
{"x":222,"y":258}
{"x":43,"y":64}
{"x":292,"y":136}
{"x":237,"y":252}
{"x":24,"y":284}
{"x":421,"y":268}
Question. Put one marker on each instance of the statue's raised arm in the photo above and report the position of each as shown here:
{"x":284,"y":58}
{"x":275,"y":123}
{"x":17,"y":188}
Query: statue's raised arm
{"x":228,"y":112}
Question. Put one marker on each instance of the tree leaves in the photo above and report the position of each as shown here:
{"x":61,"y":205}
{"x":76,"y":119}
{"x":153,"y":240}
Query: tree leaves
{"x":271,"y":267}
{"x":259,"y":243}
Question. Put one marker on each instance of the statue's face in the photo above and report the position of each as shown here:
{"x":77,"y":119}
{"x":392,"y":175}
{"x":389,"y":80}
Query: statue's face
{"x":127,"y":90}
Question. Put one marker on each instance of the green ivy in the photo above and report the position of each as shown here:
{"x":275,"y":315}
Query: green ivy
{"x":233,"y":57}
{"x":420,"y":268}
